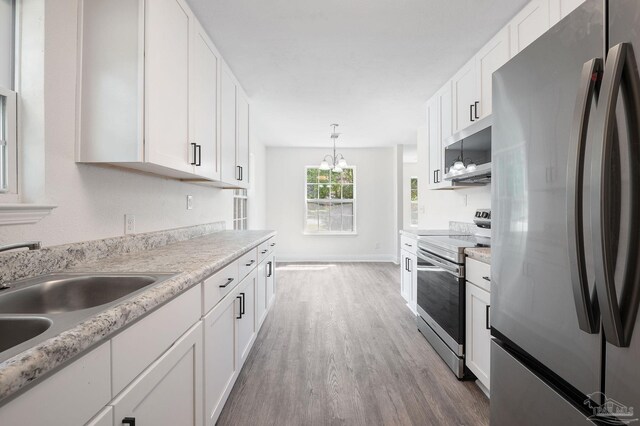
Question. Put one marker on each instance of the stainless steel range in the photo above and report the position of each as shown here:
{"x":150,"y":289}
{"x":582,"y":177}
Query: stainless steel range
{"x":441,"y":295}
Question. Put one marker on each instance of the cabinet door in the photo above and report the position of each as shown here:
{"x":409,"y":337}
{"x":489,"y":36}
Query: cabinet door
{"x":261,"y":292}
{"x":464,"y":96}
{"x":413,"y":287}
{"x":247,"y":322}
{"x":405,"y":278}
{"x":220,"y":363}
{"x":478,"y":335}
{"x":558,"y":9}
{"x":228,"y":127}
{"x":271,"y":280}
{"x":491,"y":57}
{"x":167,"y":84}
{"x":435,"y":146}
{"x":169,"y":392}
{"x":203,"y":104}
{"x":242,"y":147}
{"x":529,"y":24}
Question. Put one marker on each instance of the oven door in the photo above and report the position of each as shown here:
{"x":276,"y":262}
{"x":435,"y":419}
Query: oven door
{"x":441,"y":298}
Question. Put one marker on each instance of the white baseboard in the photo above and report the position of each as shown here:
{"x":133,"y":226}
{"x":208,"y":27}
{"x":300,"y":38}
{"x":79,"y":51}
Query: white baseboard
{"x":285,"y":257}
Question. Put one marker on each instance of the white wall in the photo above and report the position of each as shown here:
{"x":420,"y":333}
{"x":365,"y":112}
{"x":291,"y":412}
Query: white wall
{"x":92,"y":200}
{"x":258,"y":191}
{"x":375,"y":205}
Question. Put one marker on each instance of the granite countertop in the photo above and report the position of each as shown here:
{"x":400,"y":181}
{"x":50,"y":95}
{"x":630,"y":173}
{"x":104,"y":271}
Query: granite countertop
{"x":192,"y":260}
{"x":482,"y":254}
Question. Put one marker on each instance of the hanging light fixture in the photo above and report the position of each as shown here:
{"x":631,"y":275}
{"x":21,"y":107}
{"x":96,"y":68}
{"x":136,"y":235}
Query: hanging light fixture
{"x":459,"y":165}
{"x":335,"y":162}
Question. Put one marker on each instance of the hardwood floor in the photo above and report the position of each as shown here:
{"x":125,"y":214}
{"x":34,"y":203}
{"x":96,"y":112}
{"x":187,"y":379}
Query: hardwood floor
{"x":340,"y":347}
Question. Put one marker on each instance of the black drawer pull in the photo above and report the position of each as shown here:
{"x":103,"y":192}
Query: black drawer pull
{"x":486,"y":279}
{"x":250,"y":263}
{"x":193,"y":163}
{"x":273,"y":244}
{"x":475,"y":107}
{"x":242,"y":307}
{"x":264,"y":251}
{"x":408,"y":245}
{"x":229,"y":281}
{"x":131,"y":421}
{"x":240,"y":317}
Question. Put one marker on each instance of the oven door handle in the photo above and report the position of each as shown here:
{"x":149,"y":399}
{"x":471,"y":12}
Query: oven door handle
{"x":454,"y":270}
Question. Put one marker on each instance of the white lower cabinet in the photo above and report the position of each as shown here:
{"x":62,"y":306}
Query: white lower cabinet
{"x":271,"y":279}
{"x":262,"y":301}
{"x":72,"y":396}
{"x":220,"y":363}
{"x":169,"y":392}
{"x":247,"y":315}
{"x":409,"y":279}
{"x":478,"y":332}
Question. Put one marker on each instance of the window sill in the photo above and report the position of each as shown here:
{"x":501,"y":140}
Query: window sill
{"x":330,"y":234}
{"x":23,"y":214}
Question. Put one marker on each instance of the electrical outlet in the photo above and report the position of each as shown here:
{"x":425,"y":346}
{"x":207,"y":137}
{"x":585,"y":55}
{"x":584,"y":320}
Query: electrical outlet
{"x":189,"y":202}
{"x":129,"y":224}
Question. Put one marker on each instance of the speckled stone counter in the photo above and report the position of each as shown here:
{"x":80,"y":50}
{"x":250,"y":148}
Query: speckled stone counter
{"x":482,"y":254}
{"x":192,"y":260}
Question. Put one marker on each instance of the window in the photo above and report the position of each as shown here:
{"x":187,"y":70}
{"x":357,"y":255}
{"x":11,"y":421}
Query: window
{"x":414,"y":201}
{"x":8,"y":117}
{"x":330,"y":201}
{"x":240,"y":209}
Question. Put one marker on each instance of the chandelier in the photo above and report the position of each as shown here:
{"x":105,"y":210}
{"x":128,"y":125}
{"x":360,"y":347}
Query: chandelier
{"x":335,"y":162}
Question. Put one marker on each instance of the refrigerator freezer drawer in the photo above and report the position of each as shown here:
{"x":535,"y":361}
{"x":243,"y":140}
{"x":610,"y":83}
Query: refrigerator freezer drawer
{"x":523,"y":399}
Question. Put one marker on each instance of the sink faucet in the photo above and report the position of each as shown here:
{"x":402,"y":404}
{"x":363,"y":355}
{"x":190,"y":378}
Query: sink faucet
{"x":31,"y":245}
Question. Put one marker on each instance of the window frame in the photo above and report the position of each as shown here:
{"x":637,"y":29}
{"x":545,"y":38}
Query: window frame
{"x":412,"y":203}
{"x":352,"y":200}
{"x":240,"y":222}
{"x":9,"y":165}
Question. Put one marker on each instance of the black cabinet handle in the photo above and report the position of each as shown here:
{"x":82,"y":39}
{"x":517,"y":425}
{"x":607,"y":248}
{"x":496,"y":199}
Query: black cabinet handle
{"x":242,"y":304}
{"x":408,"y":245}
{"x":487,"y":322}
{"x":241,"y":173}
{"x":238,"y":172}
{"x":199,"y":149}
{"x":273,"y":244}
{"x":270,"y":265}
{"x":250,"y":263}
{"x":486,"y":279}
{"x":229,"y":281}
{"x":264,"y":251}
{"x":438,"y":176}
{"x":240,"y":317}
{"x":193,"y":145}
{"x":475,"y":107}
{"x":434,"y":176}
{"x":409,"y":263}
{"x":471,"y":113}
{"x":131,"y":421}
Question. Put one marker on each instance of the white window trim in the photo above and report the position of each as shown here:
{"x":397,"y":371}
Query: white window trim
{"x":331,"y":233}
{"x":12,"y":210}
{"x":411,"y":203}
{"x":11,"y":146}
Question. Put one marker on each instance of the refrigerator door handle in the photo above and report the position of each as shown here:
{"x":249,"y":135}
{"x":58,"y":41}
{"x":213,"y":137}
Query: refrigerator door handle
{"x":621,"y":74}
{"x":586,"y":306}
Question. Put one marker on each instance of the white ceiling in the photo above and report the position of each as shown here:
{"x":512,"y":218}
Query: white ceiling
{"x":368,"y":65}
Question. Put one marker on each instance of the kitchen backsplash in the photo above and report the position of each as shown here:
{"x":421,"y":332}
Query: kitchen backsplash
{"x":25,"y":264}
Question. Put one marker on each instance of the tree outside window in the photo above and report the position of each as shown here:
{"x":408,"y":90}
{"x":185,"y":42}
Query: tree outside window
{"x":330,"y":201}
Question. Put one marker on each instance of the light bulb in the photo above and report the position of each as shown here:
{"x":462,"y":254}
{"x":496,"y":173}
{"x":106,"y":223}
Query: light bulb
{"x":458,"y":165}
{"x":324,"y":165}
{"x":471,"y":166}
{"x":342,"y":163}
{"x":337,"y":169}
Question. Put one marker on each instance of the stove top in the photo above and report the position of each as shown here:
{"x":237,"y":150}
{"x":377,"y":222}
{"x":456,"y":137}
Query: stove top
{"x":435,"y":232}
{"x":450,"y":247}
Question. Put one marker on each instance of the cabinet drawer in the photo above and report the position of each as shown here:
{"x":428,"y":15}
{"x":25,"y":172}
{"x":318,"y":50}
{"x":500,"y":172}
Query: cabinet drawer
{"x":264,"y":250}
{"x":138,"y":346}
{"x":247,"y":262}
{"x":72,"y":396}
{"x":409,"y":244}
{"x":218,"y":285}
{"x":479,"y":273}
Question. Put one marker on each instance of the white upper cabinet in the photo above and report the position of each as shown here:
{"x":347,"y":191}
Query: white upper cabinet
{"x":558,"y":9}
{"x":150,"y":93}
{"x":439,"y":124}
{"x":167,"y":84}
{"x":203,"y":105}
{"x":529,"y":24}
{"x":234,"y":129}
{"x":491,"y":57}
{"x":465,"y":96}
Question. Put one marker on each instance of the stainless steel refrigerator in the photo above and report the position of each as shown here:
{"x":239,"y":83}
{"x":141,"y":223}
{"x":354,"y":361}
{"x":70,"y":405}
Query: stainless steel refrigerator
{"x":566,"y":223}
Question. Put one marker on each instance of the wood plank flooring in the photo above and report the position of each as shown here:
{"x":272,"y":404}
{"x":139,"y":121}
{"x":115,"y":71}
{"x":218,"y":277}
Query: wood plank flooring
{"x":340,"y":347}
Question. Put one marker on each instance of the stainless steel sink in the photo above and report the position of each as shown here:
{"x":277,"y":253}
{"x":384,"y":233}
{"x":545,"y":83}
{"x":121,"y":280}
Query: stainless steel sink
{"x":65,"y":294}
{"x":36,"y":309}
{"x":16,"y":330}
